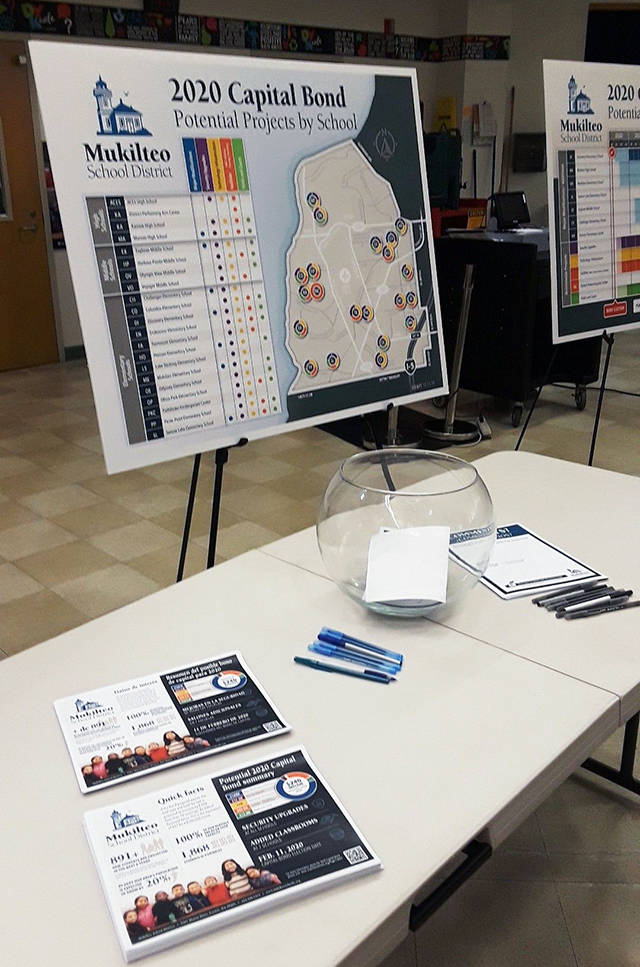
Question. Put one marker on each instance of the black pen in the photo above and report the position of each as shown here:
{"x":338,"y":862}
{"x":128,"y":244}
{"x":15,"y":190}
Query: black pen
{"x":577,"y":597}
{"x":605,"y":599}
{"x":581,"y":586}
{"x":590,"y":612}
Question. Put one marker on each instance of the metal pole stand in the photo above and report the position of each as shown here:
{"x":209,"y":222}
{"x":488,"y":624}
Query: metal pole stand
{"x":537,"y":397}
{"x":596,"y":423}
{"x":451,"y":431}
{"x":624,"y":775}
{"x":220,"y":458}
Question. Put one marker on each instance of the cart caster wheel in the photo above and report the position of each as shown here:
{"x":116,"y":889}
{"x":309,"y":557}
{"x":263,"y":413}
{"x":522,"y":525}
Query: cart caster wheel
{"x":439,"y":402}
{"x":580,"y":397}
{"x":516,"y":414}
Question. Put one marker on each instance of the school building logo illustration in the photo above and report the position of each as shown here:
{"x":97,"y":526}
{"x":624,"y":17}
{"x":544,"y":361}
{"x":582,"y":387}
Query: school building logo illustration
{"x":121,"y":822}
{"x":579,"y":102}
{"x":119,"y":120}
{"x":82,"y":706}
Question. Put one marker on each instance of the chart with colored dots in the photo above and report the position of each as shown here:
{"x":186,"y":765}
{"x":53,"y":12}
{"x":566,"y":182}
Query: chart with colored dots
{"x":182,"y":285}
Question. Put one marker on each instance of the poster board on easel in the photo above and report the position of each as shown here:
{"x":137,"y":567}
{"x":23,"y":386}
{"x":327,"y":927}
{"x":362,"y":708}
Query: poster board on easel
{"x":592,"y":116}
{"x":249,"y":241}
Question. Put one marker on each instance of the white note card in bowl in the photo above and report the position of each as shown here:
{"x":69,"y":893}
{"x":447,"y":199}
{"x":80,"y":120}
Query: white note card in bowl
{"x":409,"y":564}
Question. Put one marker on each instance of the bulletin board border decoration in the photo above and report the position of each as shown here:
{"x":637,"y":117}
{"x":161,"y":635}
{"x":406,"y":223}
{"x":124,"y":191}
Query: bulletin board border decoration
{"x":140,"y":26}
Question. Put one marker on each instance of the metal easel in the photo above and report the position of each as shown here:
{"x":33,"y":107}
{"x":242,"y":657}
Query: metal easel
{"x":220,"y":458}
{"x":609,"y":339}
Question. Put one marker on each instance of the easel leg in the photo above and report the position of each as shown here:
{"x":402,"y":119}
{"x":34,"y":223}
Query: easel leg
{"x":188,"y":516}
{"x":609,"y":341}
{"x":537,"y":396}
{"x":221,"y":457}
{"x":624,"y":775}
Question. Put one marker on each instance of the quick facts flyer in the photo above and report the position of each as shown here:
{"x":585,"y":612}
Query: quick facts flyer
{"x":200,"y":855}
{"x":121,"y":731}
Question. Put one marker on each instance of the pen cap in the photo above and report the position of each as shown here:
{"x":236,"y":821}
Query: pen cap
{"x":331,"y":636}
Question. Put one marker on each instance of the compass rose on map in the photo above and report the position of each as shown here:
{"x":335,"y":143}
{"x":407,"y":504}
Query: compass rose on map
{"x":385,"y":144}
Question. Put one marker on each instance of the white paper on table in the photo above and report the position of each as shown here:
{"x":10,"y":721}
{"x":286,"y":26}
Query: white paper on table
{"x":522,"y":563}
{"x":409,"y":564}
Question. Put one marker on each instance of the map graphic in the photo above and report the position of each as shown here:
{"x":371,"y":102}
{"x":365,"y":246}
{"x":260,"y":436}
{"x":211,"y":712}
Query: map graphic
{"x":353,"y":307}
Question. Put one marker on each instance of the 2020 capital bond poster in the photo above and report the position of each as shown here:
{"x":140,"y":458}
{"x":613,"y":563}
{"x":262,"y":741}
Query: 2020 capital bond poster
{"x":593,"y":172}
{"x":249,"y":242}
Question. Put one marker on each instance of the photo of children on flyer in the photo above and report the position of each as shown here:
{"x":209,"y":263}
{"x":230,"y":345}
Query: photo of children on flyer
{"x":179,"y":902}
{"x":112,"y":765}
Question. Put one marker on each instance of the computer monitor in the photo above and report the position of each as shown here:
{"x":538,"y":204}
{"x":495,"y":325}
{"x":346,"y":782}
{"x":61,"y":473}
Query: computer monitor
{"x":511,"y":210}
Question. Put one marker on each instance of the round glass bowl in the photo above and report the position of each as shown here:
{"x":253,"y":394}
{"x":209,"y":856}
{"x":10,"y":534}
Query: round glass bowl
{"x":398,"y":488}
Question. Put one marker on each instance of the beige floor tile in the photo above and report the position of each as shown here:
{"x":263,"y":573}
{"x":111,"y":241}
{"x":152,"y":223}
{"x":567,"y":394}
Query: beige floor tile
{"x":603,"y":922}
{"x":240,"y":538}
{"x":55,"y":457}
{"x":38,"y":535}
{"x":133,"y":540}
{"x":59,"y":421}
{"x":586,"y":815}
{"x":35,"y":618}
{"x":14,"y":583}
{"x":34,"y":440}
{"x":497,"y":924}
{"x":600,"y":867}
{"x":13,"y":513}
{"x":96,"y":519}
{"x":261,"y":469}
{"x":302,"y":486}
{"x":151,"y":501}
{"x":318,"y":454}
{"x":173,"y":471}
{"x":173,"y":520}
{"x":10,"y":465}
{"x":258,"y":503}
{"x":118,"y":483}
{"x":81,"y":469}
{"x":162,"y":565}
{"x":65,"y":563}
{"x":60,"y":500}
{"x":30,"y":482}
{"x":105,"y":590}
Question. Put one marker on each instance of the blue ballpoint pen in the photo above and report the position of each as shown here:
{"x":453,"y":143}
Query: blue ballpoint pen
{"x":370,"y":676}
{"x":333,"y":637}
{"x":358,"y":658}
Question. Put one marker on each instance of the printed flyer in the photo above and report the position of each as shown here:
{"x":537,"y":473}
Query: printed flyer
{"x":249,"y":240}
{"x":592,"y":116}
{"x":203,"y":854}
{"x":122,"y":731}
{"x":522,"y":563}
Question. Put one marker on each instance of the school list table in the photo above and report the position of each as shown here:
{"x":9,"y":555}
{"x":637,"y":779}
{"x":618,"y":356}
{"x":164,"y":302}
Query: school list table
{"x":184,"y":298}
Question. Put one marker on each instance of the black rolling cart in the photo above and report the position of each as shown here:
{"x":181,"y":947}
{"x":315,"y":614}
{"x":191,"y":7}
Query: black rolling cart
{"x":508,"y":341}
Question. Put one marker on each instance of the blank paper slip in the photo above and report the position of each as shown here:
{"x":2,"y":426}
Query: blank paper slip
{"x":409,"y":564}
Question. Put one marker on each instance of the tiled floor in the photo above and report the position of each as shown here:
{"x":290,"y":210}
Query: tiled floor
{"x":75,"y":543}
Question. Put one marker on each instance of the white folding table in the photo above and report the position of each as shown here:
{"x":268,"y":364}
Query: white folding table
{"x":452,"y":756}
{"x":592,"y":514}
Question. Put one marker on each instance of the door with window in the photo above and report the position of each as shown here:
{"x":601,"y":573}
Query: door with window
{"x":27,"y":323}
